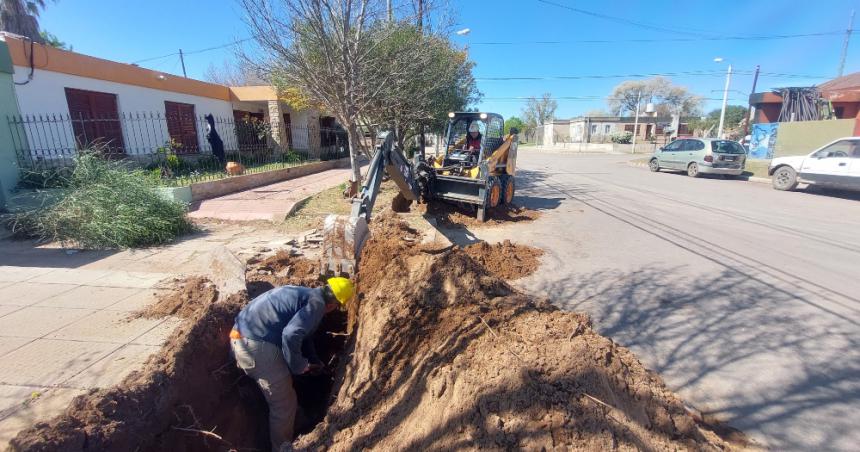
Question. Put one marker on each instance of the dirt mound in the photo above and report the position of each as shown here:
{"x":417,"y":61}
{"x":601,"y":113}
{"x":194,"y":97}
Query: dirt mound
{"x":506,"y":260}
{"x":453,"y":216}
{"x":449,"y":357}
{"x":189,"y":296}
{"x":279,"y":270}
{"x":190,"y":386}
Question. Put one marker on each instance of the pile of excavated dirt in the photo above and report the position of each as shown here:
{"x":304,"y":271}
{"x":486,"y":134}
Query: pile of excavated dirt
{"x":189,"y":387}
{"x":279,"y":270}
{"x":448,"y":357}
{"x":453,"y":216}
{"x":506,"y":260}
{"x":189,"y":296}
{"x":190,"y":396}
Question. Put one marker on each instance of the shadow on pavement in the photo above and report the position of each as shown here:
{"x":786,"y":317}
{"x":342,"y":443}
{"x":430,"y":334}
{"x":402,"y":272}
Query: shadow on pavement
{"x":732,"y":340}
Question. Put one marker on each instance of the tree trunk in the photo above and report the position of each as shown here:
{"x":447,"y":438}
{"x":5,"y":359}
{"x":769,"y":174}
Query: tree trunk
{"x":355,"y":177}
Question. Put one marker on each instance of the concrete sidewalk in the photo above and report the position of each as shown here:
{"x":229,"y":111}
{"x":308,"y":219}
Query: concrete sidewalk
{"x":64,"y":331}
{"x":269,"y":202}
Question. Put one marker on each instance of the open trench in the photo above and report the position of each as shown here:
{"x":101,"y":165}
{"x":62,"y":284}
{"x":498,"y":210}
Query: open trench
{"x":442,"y":354}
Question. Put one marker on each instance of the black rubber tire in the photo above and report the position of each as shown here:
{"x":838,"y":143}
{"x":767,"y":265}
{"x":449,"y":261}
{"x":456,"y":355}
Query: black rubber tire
{"x":509,"y":184}
{"x":494,"y":183}
{"x":784,"y":178}
{"x":693,"y":169}
{"x":654,"y":166}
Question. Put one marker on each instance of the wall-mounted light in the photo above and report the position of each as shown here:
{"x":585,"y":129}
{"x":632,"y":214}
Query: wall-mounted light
{"x":451,"y":114}
{"x":483,"y":116}
{"x":161,"y":76}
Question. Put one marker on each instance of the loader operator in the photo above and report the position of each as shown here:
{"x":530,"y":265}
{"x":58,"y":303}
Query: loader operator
{"x":268,"y":339}
{"x":473,"y":139}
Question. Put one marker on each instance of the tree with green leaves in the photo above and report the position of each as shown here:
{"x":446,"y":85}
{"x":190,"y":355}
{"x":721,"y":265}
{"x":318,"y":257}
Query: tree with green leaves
{"x":348,"y":59}
{"x":21,"y":18}
{"x":53,"y":41}
{"x":707,"y":127}
{"x":539,"y":110}
{"x":514,"y":122}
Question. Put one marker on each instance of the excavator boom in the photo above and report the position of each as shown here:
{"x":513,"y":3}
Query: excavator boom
{"x":345,"y":236}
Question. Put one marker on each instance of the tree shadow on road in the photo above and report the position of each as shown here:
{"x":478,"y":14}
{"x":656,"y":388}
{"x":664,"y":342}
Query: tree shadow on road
{"x":747,"y":351}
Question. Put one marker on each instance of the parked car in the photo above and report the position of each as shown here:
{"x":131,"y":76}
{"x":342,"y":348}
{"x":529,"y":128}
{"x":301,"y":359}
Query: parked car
{"x":834,"y":165}
{"x":700,"y":156}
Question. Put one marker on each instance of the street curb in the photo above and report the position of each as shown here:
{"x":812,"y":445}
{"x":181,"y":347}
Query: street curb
{"x":758,"y":180}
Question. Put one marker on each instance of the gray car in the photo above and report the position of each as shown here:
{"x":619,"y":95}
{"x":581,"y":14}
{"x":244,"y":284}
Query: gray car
{"x":700,"y":156}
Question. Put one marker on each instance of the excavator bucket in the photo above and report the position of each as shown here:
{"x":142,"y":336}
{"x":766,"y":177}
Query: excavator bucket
{"x":343,"y":239}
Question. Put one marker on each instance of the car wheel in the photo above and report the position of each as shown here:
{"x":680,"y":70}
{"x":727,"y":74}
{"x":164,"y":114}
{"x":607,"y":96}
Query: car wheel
{"x":785,"y":178}
{"x":654,"y":165}
{"x":693,"y":170}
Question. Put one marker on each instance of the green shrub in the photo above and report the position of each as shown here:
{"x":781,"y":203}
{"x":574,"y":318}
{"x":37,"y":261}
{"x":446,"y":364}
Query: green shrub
{"x":622,"y":138}
{"x":106,"y":206}
{"x":291,"y":157}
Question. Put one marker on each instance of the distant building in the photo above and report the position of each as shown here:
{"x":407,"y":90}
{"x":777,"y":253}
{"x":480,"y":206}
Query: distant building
{"x":600,"y":129}
{"x":842,"y":93}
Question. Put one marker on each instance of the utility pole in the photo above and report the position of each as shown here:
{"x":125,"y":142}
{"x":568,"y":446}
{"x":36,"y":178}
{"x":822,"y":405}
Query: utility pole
{"x":725,"y":101}
{"x":390,"y":12}
{"x":182,"y":59}
{"x":636,"y":122}
{"x":750,"y":109}
{"x":845,"y":44}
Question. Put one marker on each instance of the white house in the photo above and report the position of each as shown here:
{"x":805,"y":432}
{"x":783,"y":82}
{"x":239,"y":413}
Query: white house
{"x":68,"y":100}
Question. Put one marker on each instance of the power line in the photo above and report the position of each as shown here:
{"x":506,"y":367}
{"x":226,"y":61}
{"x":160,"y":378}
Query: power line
{"x":708,"y":73}
{"x":623,"y":20}
{"x":650,"y":40}
{"x":192,"y":52}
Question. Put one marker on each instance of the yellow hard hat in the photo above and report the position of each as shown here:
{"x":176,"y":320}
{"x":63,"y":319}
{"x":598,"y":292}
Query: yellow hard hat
{"x":342,"y":288}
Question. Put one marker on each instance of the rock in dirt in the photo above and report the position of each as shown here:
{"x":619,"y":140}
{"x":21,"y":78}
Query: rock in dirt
{"x":189,"y":295}
{"x":452,"y":216}
{"x":450,"y":357}
{"x":506,"y":260}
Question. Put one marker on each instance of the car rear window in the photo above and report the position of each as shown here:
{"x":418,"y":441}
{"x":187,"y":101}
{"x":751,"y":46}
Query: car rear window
{"x":727,"y":147}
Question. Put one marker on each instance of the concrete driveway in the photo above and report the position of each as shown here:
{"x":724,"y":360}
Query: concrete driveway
{"x":745,"y":299}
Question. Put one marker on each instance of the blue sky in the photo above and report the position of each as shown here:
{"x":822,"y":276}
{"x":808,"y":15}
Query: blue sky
{"x":142,"y":30}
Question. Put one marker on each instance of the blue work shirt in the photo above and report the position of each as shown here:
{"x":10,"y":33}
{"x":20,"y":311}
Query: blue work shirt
{"x":285,"y":316}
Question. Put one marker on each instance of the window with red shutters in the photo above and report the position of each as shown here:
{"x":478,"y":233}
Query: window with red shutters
{"x":95,"y":119}
{"x":182,"y":127}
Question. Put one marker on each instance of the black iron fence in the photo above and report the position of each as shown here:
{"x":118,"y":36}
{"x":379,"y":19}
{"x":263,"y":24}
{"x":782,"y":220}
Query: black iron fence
{"x":176,"y":150}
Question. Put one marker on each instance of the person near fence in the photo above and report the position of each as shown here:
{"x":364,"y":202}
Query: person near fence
{"x":214,"y":139}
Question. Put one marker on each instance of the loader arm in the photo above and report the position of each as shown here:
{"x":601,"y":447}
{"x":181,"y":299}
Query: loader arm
{"x":344,"y":236}
{"x":389,"y":160}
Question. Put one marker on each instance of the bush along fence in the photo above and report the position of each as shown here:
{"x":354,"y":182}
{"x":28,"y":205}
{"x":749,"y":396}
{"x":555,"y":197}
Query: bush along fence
{"x":175,"y":150}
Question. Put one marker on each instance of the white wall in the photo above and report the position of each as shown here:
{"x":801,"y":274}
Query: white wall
{"x":45,"y":95}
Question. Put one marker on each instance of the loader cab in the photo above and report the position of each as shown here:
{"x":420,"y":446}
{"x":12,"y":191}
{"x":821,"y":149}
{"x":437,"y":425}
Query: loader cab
{"x":462,"y":155}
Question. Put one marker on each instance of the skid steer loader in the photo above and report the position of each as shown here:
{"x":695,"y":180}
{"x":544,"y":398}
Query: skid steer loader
{"x":475,"y":169}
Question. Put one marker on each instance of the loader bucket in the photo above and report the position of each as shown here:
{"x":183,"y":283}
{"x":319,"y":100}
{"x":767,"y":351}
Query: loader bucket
{"x":343,"y":240}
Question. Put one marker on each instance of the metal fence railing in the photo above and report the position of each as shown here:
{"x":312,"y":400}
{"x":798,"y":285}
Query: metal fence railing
{"x":176,"y":150}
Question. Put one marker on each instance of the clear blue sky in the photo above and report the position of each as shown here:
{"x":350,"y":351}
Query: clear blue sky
{"x":130,"y":31}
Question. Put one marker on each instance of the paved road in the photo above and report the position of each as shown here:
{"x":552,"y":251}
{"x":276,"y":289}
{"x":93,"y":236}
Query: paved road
{"x":745,"y":299}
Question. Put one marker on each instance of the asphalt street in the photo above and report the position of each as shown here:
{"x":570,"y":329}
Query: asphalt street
{"x":745,"y":299}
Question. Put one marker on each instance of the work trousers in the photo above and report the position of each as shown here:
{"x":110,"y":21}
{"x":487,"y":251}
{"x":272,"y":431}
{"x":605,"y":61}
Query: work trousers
{"x":264,"y":363}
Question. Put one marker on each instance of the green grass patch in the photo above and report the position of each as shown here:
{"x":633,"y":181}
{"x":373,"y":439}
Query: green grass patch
{"x":105,"y":206}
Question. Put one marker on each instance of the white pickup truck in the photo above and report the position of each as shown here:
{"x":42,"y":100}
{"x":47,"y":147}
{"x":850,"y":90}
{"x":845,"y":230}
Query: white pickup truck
{"x":834,"y":165}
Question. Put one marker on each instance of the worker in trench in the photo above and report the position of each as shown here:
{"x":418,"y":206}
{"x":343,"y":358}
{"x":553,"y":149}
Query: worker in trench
{"x":271,"y":341}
